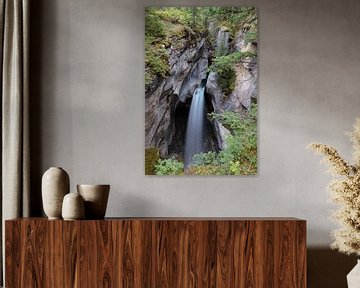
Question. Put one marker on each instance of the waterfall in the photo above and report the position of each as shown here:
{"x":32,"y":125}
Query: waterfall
{"x":194,"y":141}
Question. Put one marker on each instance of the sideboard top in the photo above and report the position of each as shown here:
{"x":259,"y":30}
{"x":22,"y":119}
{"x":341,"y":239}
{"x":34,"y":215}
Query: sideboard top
{"x":174,"y":219}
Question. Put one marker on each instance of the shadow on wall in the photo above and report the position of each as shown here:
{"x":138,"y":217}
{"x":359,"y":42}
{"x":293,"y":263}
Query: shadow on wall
{"x":328,"y":268}
{"x":35,"y":51}
{"x":139,"y":207}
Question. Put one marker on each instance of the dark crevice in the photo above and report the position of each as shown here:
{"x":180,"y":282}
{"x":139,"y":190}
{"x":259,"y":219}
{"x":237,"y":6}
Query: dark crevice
{"x":180,"y":116}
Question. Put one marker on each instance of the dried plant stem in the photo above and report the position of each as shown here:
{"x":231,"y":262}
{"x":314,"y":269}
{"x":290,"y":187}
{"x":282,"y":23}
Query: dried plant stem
{"x":345,"y":192}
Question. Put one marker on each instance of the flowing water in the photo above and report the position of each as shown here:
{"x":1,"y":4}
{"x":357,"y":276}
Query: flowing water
{"x":194,"y":141}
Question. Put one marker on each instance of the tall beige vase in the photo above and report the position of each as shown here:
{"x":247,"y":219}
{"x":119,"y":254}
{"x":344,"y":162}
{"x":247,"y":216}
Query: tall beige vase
{"x":353,"y":278}
{"x":55,"y":185}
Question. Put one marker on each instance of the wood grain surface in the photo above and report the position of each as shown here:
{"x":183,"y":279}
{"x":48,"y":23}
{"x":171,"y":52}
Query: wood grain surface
{"x":241,"y":253}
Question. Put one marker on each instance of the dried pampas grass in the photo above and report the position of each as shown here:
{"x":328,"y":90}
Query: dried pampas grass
{"x":345,"y":191}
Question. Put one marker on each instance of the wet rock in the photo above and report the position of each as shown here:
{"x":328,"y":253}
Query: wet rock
{"x":221,"y":133}
{"x":187,"y":68}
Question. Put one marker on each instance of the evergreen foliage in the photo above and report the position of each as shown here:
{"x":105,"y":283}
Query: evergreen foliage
{"x":233,"y":17}
{"x":156,"y":57}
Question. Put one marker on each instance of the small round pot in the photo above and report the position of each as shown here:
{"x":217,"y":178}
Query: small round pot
{"x":73,"y":207}
{"x":96,"y":198}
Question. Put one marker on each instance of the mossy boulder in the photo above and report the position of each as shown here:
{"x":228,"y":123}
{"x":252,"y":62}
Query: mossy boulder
{"x":152,"y":155}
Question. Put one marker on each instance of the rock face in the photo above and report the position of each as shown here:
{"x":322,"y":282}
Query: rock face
{"x":168,"y":102}
{"x":222,"y":41}
{"x":221,"y":133}
{"x":187,"y":68}
{"x":245,"y":84}
{"x":245,"y":90}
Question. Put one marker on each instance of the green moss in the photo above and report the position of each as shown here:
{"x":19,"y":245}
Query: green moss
{"x":152,"y":155}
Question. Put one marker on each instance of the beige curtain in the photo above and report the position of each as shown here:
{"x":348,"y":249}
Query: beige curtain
{"x":14,"y":27}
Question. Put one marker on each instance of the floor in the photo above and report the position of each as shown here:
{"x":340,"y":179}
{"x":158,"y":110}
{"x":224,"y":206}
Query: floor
{"x":328,"y":268}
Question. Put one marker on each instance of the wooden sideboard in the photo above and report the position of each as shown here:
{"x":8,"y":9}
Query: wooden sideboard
{"x":156,"y":252}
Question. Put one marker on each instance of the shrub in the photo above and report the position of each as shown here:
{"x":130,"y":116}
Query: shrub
{"x":240,"y":155}
{"x":156,"y":62}
{"x":152,"y":155}
{"x":242,"y":143}
{"x":227,"y":79}
{"x":251,"y":36}
{"x":206,"y":170}
{"x":169,"y":167}
{"x":205,"y":158}
{"x":153,"y":25}
{"x":156,"y":56}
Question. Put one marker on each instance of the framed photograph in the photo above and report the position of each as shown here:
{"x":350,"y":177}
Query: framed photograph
{"x":201,"y":90}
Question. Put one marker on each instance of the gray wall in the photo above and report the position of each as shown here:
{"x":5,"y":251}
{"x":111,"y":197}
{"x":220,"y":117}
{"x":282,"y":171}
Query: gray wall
{"x":88,"y":108}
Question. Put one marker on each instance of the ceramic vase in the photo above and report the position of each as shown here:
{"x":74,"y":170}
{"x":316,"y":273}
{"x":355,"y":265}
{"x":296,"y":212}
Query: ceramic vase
{"x":55,"y":185}
{"x":96,"y":198}
{"x":73,"y":207}
{"x":353,"y":278}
